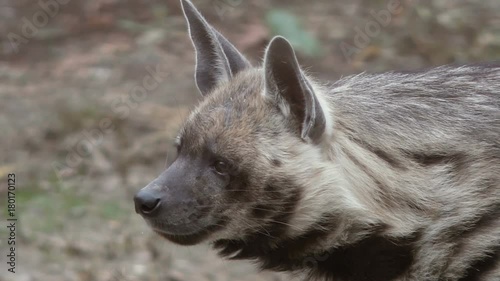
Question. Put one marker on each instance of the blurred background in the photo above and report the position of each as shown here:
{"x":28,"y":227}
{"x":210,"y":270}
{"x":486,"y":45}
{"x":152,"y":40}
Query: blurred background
{"x":83,"y":132}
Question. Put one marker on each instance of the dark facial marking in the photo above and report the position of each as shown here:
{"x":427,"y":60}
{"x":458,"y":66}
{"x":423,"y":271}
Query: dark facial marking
{"x":271,"y":188}
{"x":238,"y":189}
{"x":291,"y":196}
{"x":281,"y":208}
{"x":260,"y":211}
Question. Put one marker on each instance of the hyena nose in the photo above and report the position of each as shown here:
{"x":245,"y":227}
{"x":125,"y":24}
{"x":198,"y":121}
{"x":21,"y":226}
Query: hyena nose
{"x":147,"y":203}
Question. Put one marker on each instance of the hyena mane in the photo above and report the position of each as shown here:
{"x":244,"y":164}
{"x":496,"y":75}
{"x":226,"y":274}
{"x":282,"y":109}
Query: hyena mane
{"x":375,"y":177}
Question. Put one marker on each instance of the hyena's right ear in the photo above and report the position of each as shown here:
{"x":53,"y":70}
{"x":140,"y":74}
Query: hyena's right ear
{"x":288,"y":85}
{"x":217,"y":59}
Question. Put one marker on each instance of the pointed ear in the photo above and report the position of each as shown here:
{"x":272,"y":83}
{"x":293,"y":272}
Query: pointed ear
{"x":288,"y":85}
{"x":216,"y":58}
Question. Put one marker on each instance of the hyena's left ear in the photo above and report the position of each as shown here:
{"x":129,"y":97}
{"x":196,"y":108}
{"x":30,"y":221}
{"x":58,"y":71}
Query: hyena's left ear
{"x":217,"y":59}
{"x":286,"y":82}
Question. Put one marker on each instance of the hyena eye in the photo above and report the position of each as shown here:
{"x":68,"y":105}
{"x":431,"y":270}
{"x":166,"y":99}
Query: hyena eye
{"x":221,"y":168}
{"x":177,"y":144}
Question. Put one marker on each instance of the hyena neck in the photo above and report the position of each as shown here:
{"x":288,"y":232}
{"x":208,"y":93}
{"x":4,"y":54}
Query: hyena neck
{"x":374,"y":257}
{"x":351,"y":180}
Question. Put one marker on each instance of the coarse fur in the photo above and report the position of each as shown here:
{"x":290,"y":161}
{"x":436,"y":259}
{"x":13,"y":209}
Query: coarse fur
{"x":392,"y":176}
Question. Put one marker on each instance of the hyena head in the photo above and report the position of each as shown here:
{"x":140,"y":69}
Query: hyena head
{"x":246,"y":153}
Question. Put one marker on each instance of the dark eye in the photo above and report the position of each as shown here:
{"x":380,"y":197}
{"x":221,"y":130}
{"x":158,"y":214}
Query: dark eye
{"x":221,"y":168}
{"x":177,"y":145}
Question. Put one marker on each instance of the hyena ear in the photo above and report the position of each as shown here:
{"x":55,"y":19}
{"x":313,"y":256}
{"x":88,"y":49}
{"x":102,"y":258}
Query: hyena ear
{"x":286,"y":82}
{"x":217,"y":59}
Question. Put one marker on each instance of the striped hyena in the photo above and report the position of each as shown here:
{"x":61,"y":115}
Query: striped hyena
{"x":375,"y":177}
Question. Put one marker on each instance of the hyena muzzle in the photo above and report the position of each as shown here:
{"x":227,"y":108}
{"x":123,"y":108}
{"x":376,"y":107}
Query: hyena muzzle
{"x":375,"y":177}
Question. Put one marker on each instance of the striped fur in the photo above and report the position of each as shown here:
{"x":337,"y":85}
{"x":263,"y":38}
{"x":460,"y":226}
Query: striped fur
{"x":409,"y":168}
{"x":403,"y":183}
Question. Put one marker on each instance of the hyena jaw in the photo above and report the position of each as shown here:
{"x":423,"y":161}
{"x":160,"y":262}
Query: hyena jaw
{"x":375,"y":177}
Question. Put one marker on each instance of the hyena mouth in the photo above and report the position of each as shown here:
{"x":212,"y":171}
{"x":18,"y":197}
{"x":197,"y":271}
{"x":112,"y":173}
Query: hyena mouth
{"x":193,"y":238}
{"x":183,"y":228}
{"x":181,"y":219}
{"x":173,"y":226}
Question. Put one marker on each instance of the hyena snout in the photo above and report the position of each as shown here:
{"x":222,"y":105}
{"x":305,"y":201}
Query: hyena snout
{"x":168,"y":199}
{"x":160,"y":200}
{"x":174,"y":203}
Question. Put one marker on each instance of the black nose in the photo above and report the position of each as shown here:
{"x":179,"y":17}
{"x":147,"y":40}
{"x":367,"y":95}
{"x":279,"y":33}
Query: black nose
{"x":146,"y":202}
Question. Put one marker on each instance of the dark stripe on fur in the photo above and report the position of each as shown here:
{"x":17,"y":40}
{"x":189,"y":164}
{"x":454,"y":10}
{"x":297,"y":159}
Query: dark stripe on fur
{"x":465,"y":232}
{"x":482,"y":266}
{"x":386,"y":196}
{"x":485,"y":221}
{"x":276,"y":162}
{"x":374,"y":258}
{"x":269,"y":203}
{"x":239,"y":188}
{"x":392,"y":160}
{"x":457,"y":159}
{"x":395,"y":163}
{"x":277,"y":254}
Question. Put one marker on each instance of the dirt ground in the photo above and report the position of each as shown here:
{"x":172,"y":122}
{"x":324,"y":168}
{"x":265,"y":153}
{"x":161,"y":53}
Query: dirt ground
{"x":82,"y":134}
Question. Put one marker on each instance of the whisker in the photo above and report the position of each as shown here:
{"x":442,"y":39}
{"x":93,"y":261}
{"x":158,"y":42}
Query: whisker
{"x":166,"y":160}
{"x":246,"y":190}
{"x":287,"y":224}
{"x":257,"y":231}
{"x":275,"y":203}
